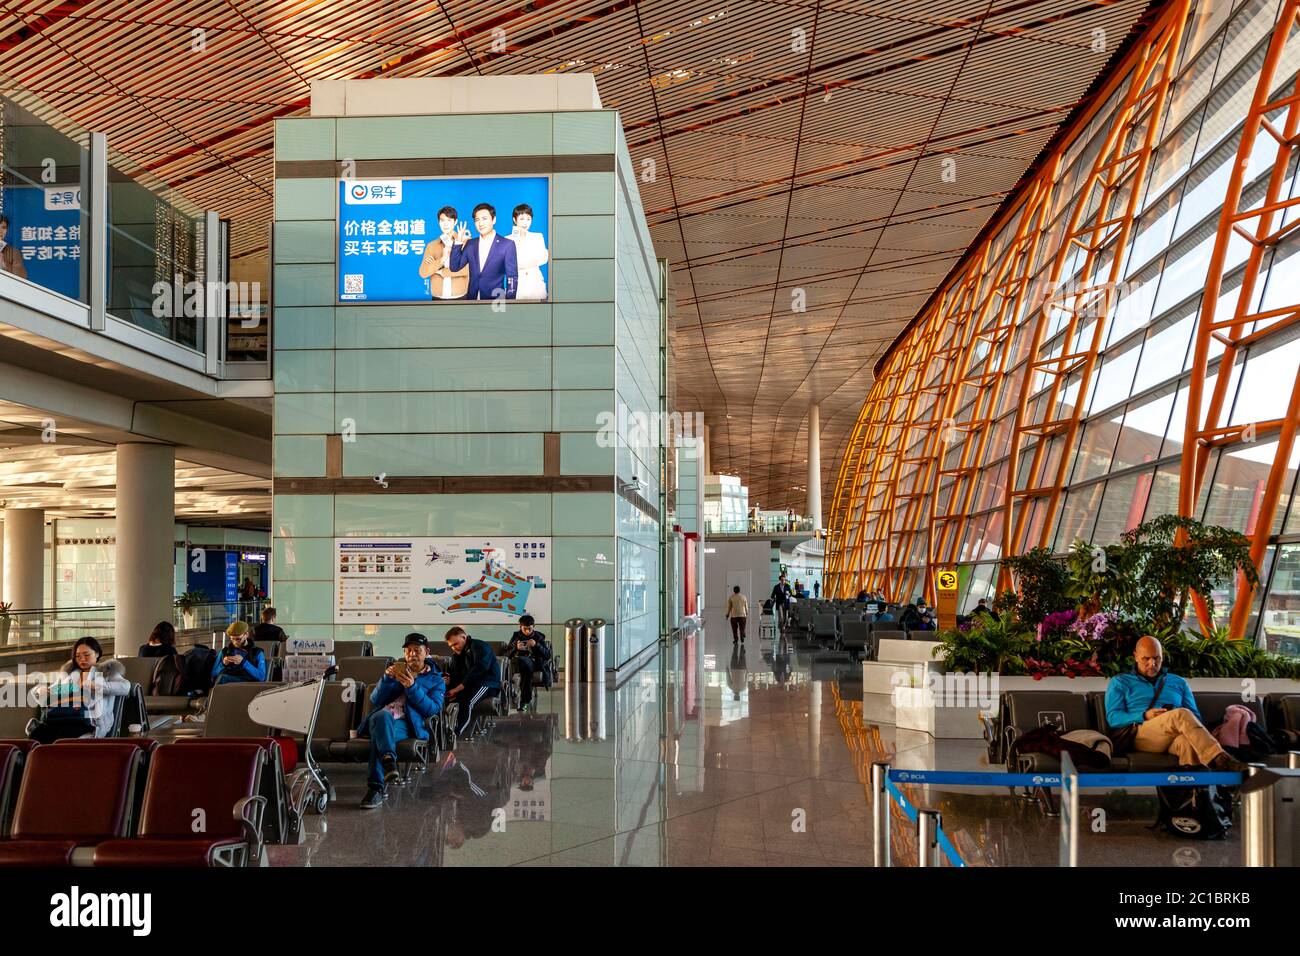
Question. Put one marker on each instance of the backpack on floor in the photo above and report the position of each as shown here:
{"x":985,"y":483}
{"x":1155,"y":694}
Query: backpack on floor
{"x":1197,"y":813}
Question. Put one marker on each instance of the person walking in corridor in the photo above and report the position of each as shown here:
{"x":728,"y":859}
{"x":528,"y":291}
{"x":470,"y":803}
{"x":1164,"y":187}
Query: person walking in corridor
{"x":781,"y":600}
{"x":737,"y":612}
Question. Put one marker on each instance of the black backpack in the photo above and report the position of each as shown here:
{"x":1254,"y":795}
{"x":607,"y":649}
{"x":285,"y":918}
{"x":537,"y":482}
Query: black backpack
{"x":197,"y":669}
{"x":168,"y":678}
{"x":1197,"y":813}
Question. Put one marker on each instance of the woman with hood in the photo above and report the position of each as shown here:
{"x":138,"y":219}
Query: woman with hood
{"x":80,"y":703}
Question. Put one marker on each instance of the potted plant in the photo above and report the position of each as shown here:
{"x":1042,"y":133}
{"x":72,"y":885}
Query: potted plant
{"x":187,"y":602}
{"x":5,"y":621}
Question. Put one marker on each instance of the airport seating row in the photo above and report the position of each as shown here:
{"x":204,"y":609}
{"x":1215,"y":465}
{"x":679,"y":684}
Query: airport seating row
{"x":130,"y":802}
{"x":1022,"y":710}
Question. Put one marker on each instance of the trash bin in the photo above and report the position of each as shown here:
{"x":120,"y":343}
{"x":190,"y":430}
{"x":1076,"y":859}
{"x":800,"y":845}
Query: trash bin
{"x":594,"y":665}
{"x":595,"y":677}
{"x":574,"y":649}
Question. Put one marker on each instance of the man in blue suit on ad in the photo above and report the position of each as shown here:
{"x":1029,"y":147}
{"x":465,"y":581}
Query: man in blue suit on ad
{"x":493,"y":264}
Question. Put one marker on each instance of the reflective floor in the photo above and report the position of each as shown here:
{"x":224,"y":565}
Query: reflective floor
{"x":705,"y":757}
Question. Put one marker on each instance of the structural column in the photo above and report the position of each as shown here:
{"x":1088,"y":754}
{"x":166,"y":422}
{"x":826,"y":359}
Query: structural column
{"x":815,"y":466}
{"x":24,"y":558}
{"x":146,"y":518}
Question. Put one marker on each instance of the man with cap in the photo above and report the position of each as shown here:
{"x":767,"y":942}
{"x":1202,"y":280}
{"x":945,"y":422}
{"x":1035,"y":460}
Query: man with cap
{"x":400,"y":707}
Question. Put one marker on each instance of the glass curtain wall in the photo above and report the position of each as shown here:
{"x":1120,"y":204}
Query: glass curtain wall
{"x":1121,"y":463}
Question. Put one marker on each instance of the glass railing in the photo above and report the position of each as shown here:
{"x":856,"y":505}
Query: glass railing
{"x":155,"y":255}
{"x":718,"y":526}
{"x":42,"y":219}
{"x":155,"y":263}
{"x":66,"y":624}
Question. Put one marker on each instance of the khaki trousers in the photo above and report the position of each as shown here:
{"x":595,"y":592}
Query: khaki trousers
{"x":1178,"y":732}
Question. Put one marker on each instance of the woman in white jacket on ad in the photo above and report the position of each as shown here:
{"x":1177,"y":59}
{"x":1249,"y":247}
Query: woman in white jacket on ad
{"x":530,"y":251}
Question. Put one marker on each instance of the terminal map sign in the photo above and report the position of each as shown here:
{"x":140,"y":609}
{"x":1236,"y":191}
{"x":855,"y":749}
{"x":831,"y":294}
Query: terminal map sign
{"x":425,"y":580}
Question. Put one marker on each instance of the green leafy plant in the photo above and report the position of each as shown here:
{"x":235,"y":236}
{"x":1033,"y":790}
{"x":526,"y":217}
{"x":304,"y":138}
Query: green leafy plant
{"x":1042,"y":583}
{"x":189,"y":599}
{"x":5,"y":608}
{"x":1166,"y":572}
{"x":1216,"y":654}
{"x":996,"y":644}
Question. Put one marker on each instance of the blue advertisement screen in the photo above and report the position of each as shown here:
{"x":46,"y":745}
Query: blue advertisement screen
{"x":422,"y":240}
{"x":45,"y":226}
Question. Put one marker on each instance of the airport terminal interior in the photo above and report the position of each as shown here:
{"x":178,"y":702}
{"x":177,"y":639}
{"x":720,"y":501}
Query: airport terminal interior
{"x":855,"y":433}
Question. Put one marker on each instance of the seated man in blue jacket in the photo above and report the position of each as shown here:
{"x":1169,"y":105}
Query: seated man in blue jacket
{"x":473,"y":675}
{"x":240,"y":660}
{"x":528,"y":652}
{"x":401,"y":704}
{"x":1153,"y":711}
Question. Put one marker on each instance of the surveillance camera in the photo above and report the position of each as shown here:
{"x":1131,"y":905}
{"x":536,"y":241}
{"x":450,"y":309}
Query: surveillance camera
{"x":381,"y":479}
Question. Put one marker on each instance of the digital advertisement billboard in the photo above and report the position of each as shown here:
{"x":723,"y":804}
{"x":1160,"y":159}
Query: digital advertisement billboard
{"x":444,"y":239}
{"x":45,"y":228}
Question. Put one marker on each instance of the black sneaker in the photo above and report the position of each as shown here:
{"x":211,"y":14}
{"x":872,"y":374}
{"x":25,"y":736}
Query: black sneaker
{"x":1225,"y":762}
{"x":373,"y":798}
{"x":391,"y":773}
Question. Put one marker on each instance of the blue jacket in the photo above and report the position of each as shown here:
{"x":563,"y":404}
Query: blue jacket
{"x":475,"y":666}
{"x":500,"y":272}
{"x":252,"y":668}
{"x":1128,"y":697}
{"x":423,"y":698}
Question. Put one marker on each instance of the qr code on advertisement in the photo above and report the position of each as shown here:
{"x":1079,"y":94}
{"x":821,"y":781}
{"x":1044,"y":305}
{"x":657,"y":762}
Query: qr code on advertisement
{"x":353,"y":283}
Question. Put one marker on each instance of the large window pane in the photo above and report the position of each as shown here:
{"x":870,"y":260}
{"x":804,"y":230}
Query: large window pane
{"x":1120,"y":509}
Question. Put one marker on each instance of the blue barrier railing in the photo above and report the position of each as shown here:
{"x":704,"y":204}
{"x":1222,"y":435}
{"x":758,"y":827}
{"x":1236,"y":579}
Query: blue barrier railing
{"x":945,"y":844}
{"x":1087,"y":781}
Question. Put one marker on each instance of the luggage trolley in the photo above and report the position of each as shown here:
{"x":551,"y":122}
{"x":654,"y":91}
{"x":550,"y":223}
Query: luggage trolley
{"x":294,"y":708}
{"x":767,"y":623}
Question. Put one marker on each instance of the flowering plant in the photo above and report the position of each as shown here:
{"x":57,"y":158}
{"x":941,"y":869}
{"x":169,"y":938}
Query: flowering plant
{"x":1092,"y":628}
{"x":1038,"y":669}
{"x":1055,"y":622}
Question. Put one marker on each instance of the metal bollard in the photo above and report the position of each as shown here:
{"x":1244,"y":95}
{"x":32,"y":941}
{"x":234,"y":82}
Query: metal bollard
{"x":928,"y":823}
{"x":879,"y":814}
{"x":1257,"y":824}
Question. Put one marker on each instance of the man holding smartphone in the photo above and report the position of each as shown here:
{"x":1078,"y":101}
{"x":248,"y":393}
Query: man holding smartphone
{"x":410,"y":692}
{"x":528,"y":652}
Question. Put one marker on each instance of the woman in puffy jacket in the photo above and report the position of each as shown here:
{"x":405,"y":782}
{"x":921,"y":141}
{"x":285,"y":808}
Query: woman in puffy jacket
{"x":81,"y":701}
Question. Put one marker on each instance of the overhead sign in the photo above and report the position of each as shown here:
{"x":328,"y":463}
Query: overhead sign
{"x":436,"y":580}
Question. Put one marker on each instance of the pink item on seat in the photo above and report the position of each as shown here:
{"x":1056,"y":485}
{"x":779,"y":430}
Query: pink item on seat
{"x":1232,"y":732}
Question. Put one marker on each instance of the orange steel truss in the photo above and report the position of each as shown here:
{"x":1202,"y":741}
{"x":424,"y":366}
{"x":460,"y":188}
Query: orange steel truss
{"x":1002,"y":360}
{"x":1069,"y":328}
{"x":1262,"y":224}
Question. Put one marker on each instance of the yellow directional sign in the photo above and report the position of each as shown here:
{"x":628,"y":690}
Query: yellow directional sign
{"x":945,"y":592}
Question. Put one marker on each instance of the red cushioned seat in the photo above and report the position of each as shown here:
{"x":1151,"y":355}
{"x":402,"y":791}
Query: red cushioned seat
{"x":184,"y":778}
{"x":288,"y":752}
{"x":23,"y":744}
{"x":145,"y":744}
{"x":162,"y":851}
{"x":43,"y":852}
{"x":76,"y":794}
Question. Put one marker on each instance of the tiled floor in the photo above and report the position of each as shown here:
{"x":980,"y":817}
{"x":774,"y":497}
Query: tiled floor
{"x":710,"y":758}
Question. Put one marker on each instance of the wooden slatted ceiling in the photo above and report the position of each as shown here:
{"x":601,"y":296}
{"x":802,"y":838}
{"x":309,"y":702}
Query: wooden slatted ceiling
{"x":778,"y":168}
